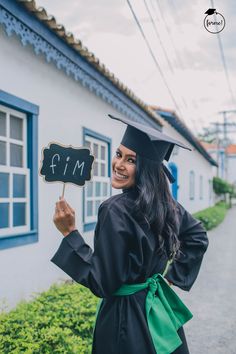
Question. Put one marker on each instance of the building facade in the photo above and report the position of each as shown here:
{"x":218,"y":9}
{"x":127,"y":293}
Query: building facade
{"x":53,"y":89}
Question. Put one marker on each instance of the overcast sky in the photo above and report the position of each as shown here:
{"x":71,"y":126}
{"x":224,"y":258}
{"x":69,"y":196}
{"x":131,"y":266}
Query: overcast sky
{"x":188,"y":55}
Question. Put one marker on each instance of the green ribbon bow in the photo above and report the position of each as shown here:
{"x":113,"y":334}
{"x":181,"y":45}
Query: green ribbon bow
{"x":165,"y":312}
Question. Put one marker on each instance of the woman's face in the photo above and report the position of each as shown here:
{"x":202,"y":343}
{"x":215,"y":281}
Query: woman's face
{"x":123,"y":168}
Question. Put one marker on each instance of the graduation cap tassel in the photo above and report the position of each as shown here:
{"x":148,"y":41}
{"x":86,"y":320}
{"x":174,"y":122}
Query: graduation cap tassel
{"x":168,"y":174}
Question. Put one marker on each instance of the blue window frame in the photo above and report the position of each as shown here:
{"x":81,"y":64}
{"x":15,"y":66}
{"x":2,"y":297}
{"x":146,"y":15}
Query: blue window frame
{"x":191,"y":185}
{"x":201,"y":187}
{"x":174,"y":186}
{"x":99,"y":188}
{"x":18,"y":171}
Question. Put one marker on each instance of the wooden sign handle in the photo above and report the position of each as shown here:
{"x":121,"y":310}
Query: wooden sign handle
{"x":63,"y":191}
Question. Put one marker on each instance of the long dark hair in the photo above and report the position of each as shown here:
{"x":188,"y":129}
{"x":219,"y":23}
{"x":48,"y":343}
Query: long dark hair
{"x":156,"y":204}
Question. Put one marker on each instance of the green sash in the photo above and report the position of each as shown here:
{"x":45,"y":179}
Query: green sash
{"x":165,"y":312}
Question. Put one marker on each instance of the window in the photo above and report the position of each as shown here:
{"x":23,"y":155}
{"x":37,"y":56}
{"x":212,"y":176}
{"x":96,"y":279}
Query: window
{"x":210,"y":189}
{"x":191,"y":185}
{"x":201,"y":187}
{"x":18,"y":171}
{"x":99,"y":188}
{"x":14,"y":174}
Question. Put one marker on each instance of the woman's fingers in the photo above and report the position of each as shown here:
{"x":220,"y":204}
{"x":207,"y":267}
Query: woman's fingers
{"x":64,"y":217}
{"x":64,"y":207}
{"x":71,"y":209}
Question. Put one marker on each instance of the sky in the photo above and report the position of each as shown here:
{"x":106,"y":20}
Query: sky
{"x":188,"y":74}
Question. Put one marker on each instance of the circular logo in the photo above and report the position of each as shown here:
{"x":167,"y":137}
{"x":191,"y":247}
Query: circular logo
{"x":214,"y":23}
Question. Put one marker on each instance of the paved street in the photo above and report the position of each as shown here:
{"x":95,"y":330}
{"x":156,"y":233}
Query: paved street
{"x":212,"y":299}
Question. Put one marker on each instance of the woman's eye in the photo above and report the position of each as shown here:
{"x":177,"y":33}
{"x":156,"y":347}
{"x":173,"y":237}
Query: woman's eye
{"x":132,"y":160}
{"x":118,"y":154}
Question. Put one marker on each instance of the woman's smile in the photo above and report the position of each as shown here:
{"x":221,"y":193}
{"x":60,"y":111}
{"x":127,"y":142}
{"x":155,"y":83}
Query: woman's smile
{"x":123,"y":168}
{"x":118,"y":175}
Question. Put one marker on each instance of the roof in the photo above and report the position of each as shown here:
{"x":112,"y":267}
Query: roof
{"x":231,"y":149}
{"x":50,"y":22}
{"x":208,"y":146}
{"x":172,"y":118}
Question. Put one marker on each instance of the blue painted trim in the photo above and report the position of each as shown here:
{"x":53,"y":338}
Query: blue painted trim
{"x":18,"y":103}
{"x":89,"y":227}
{"x":19,"y":240}
{"x":33,"y":165}
{"x":102,"y":137}
{"x":31,"y":31}
{"x":31,"y":110}
{"x":96,"y":135}
{"x":87,"y":131}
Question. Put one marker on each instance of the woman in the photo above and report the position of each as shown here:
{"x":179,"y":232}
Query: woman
{"x":137,"y":233}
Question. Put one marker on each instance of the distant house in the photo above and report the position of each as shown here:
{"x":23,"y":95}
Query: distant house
{"x":219,"y":155}
{"x":226,"y":158}
{"x":193,"y":170}
{"x":230,"y":152}
{"x":53,"y":89}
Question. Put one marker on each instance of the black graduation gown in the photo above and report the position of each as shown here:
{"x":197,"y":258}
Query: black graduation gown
{"x":126,"y":251}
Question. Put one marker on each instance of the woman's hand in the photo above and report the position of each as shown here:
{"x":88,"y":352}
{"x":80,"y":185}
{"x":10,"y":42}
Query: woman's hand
{"x":64,"y":217}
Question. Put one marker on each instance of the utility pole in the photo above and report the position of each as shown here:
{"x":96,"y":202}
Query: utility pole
{"x":218,"y":147}
{"x":221,"y":160}
{"x":226,"y":124}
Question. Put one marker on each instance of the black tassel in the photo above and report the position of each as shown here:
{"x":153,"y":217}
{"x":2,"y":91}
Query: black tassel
{"x":168,"y":174}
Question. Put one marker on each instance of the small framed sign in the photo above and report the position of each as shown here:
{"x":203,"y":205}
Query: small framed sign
{"x":66,"y":164}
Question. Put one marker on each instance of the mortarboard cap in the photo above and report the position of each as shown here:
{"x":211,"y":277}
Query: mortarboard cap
{"x":149,"y":142}
{"x":210,"y":11}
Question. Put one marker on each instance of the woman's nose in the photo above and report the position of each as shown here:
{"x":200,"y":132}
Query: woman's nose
{"x":120,"y":164}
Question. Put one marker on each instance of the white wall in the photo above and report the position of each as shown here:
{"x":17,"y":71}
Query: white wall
{"x":187,"y":161}
{"x":65,"y":107}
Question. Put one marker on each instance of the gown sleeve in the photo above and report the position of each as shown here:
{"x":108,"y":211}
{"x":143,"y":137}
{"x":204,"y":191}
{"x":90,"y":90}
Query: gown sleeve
{"x":193,"y":244}
{"x":104,"y":270}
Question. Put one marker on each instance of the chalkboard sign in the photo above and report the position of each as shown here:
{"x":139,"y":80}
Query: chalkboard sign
{"x":66,"y":164}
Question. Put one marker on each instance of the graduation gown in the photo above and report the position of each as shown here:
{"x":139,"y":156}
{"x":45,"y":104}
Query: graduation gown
{"x":126,"y":251}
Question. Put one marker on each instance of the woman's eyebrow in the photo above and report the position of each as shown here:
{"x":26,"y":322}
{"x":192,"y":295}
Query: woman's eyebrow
{"x":130,"y":155}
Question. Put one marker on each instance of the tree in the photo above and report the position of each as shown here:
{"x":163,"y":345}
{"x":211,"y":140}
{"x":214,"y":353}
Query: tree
{"x":222,"y":187}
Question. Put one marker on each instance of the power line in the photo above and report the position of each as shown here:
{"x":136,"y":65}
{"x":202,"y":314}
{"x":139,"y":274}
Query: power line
{"x":224,"y":62}
{"x":158,"y":36}
{"x":162,"y":46}
{"x":164,"y":50}
{"x":179,"y":61}
{"x":172,"y":5}
{"x":170,"y":36}
{"x":227,"y":124}
{"x":153,"y":57}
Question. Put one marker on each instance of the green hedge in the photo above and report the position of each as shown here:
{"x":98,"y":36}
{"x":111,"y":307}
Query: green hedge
{"x":59,"y":320}
{"x":221,"y":186}
{"x":213,"y":216}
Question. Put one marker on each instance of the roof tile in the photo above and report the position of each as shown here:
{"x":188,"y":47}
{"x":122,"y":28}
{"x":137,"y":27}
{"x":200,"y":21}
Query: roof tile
{"x":76,"y":44}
